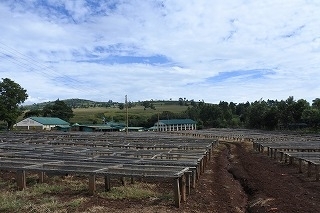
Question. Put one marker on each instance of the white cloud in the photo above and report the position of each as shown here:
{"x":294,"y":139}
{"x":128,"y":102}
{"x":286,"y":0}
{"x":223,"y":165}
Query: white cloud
{"x":69,"y":47}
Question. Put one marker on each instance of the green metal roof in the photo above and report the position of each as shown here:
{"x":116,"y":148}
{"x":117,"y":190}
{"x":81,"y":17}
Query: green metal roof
{"x":177,"y":121}
{"x":49,"y":121}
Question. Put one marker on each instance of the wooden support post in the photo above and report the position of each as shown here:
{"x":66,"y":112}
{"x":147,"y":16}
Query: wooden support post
{"x":290,"y":160}
{"x":123,"y":181}
{"x":317,"y":172}
{"x":92,"y":184}
{"x":176,"y":192}
{"x":41,"y":177}
{"x":107,"y":185}
{"x":21,"y":179}
{"x":182,"y":182}
{"x":281,"y":156}
{"x":309,"y":169}
{"x":193,"y":179}
{"x":188,"y":183}
{"x":300,"y":165}
{"x":205,"y":160}
{"x":132,"y":180}
{"x":201,"y":166}
{"x":275,"y":153}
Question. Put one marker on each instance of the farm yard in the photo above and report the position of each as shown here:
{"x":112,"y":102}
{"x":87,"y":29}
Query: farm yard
{"x":217,"y":170}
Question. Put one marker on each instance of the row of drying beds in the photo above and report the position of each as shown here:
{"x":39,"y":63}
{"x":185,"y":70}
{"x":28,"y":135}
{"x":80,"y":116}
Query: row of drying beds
{"x":183,"y":171}
{"x":172,"y":151}
{"x":116,"y":142}
{"x":92,"y":136}
{"x":88,"y":153}
{"x":183,"y":177}
{"x":304,"y":152}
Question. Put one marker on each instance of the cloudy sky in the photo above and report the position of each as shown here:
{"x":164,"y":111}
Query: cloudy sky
{"x":235,"y":50}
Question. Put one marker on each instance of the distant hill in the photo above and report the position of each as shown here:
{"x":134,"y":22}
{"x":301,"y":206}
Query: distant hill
{"x":74,"y":103}
{"x":83,"y":103}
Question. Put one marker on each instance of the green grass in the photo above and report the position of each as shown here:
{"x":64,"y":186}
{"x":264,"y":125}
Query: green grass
{"x":44,"y":197}
{"x":92,"y":115}
{"x":133,"y":191}
{"x":10,"y":202}
{"x":95,"y":114}
{"x":69,"y":194}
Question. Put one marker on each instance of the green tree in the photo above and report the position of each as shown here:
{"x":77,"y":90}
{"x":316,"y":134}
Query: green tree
{"x":242,"y":111}
{"x":193,"y":103}
{"x":32,"y":112}
{"x":121,"y":106}
{"x":311,"y":117}
{"x":58,"y":109}
{"x":257,"y":111}
{"x":146,"y":104}
{"x":270,"y":118}
{"x":316,"y":103}
{"x":11,"y":96}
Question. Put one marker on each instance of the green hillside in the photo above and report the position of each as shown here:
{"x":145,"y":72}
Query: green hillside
{"x":74,"y":103}
{"x":138,"y":112}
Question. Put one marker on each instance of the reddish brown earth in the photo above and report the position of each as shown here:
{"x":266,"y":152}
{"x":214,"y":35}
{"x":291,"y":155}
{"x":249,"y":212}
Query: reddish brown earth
{"x":238,"y":179}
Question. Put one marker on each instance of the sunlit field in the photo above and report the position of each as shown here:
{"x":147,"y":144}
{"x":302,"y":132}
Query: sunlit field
{"x":96,"y":114}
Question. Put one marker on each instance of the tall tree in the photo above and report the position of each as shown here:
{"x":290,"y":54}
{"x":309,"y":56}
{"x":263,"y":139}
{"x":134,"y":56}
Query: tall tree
{"x":11,"y":96}
{"x":58,"y":109}
{"x":316,"y":103}
{"x":256,"y":114}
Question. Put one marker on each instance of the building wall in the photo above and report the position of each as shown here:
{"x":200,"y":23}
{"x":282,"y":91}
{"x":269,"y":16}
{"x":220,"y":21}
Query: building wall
{"x":175,"y":127}
{"x":28,"y":124}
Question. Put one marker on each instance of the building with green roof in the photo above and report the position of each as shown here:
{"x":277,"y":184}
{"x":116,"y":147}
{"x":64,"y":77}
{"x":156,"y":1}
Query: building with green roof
{"x":175,"y":125}
{"x":42,"y":123}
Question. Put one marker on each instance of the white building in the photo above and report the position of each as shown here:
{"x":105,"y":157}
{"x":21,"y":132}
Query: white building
{"x":175,"y":125}
{"x":40,"y":123}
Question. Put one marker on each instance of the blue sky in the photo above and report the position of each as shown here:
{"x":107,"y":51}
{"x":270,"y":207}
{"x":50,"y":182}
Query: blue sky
{"x":237,"y":50}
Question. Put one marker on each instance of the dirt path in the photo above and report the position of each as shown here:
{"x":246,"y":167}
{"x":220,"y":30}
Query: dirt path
{"x":272,"y":186}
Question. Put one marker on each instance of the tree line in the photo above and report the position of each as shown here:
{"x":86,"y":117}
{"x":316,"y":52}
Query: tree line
{"x":261,"y":114}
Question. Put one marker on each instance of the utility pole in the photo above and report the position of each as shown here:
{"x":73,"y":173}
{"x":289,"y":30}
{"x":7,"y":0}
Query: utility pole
{"x":127,"y":117}
{"x":158,"y":123}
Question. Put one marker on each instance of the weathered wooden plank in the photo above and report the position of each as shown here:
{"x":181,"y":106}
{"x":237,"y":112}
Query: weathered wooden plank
{"x":176,"y":192}
{"x":21,"y":179}
{"x":182,"y":182}
{"x":92,"y":184}
{"x":107,"y":184}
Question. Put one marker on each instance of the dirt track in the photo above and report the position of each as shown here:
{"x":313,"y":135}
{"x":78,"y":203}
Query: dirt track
{"x":240,"y":180}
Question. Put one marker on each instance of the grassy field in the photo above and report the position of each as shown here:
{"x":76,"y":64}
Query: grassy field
{"x":96,"y":114}
{"x":67,"y":194}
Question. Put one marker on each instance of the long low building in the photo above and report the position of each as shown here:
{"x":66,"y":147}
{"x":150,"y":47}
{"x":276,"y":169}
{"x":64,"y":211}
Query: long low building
{"x":41,"y":123}
{"x":175,"y":125}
